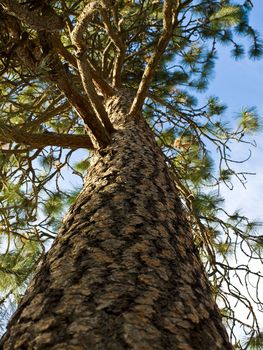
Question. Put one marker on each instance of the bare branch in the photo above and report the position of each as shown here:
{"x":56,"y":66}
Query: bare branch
{"x":43,"y":17}
{"x":103,"y":86}
{"x":94,"y":98}
{"x":169,"y":8}
{"x":82,"y":106}
{"x":77,"y":33}
{"x":117,"y":41}
{"x":10,"y":133}
{"x":105,"y":59}
{"x":45,"y":116}
{"x":84,"y":65}
{"x":63,"y":78}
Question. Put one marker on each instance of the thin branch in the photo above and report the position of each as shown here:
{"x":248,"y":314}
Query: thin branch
{"x":101,"y":83}
{"x":169,"y":8}
{"x":105,"y":88}
{"x":117,"y":41}
{"x":63,"y":78}
{"x":84,"y":65}
{"x":114,"y":36}
{"x":45,"y":116}
{"x":83,"y":108}
{"x":94,"y":98}
{"x":105,"y":59}
{"x":10,"y":133}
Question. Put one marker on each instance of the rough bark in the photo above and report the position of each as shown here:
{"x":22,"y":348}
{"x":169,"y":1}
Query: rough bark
{"x":123,"y":272}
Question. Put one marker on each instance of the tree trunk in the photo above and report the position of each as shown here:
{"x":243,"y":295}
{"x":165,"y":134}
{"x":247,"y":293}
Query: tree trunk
{"x":123,"y":272}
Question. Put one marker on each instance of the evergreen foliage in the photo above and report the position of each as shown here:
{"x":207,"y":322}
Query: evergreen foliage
{"x":36,"y":103}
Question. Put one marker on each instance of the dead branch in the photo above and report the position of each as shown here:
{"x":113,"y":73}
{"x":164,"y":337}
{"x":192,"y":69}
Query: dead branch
{"x":45,"y":116}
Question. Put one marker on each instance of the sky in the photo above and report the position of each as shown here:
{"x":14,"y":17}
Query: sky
{"x":240,"y":84}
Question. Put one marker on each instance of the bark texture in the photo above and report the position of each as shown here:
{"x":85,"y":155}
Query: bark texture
{"x":123,"y":272}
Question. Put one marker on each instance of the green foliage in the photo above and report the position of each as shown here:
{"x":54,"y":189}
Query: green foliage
{"x":215,"y":107}
{"x":226,"y":16}
{"x":16,"y":269}
{"x":238,"y":51}
{"x":255,"y":343}
{"x":249,"y":120}
{"x":206,"y":204}
{"x":82,"y":165}
{"x":53,"y":205}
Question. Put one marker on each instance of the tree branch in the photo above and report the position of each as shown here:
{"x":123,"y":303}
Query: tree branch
{"x":10,"y":133}
{"x":82,"y":21}
{"x":101,"y":83}
{"x":168,"y":19}
{"x":63,"y":78}
{"x":117,"y":41}
{"x":45,"y":116}
{"x":105,"y":88}
{"x":95,"y":100}
{"x":84,"y":65}
{"x":43,"y":17}
{"x":82,"y":106}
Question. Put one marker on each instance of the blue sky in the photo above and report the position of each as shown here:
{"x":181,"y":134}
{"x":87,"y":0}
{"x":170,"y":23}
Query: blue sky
{"x":239,"y":84}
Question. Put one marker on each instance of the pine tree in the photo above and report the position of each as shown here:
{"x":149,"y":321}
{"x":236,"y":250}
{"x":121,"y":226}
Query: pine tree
{"x":146,"y":248}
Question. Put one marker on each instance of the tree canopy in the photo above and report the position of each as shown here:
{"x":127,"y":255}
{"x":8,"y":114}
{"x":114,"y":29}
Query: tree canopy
{"x":58,"y":60}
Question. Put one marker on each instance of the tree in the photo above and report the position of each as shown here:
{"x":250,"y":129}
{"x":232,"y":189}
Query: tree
{"x":143,"y":252}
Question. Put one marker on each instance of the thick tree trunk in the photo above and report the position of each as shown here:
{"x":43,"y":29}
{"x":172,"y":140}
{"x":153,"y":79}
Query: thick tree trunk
{"x":123,"y":272}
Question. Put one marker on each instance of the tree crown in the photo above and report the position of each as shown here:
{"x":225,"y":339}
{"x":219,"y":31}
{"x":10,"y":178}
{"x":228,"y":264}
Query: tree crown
{"x":60,"y":60}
